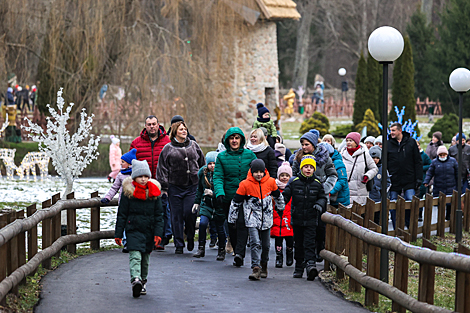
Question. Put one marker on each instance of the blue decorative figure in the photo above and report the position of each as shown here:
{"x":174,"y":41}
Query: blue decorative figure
{"x":408,"y":126}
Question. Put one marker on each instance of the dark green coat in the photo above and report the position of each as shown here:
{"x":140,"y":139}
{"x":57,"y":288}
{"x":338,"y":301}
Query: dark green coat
{"x":142,"y":219}
{"x":231,"y":167}
{"x":208,"y":205}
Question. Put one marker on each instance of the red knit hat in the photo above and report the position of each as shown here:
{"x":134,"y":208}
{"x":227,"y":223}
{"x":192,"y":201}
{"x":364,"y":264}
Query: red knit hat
{"x":354,"y":136}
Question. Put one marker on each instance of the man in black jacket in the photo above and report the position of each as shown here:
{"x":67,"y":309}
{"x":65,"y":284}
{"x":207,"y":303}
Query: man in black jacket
{"x":454,"y":152}
{"x":405,"y":167}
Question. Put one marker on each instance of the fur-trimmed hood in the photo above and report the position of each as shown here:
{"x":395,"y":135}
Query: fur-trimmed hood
{"x":128,"y":188}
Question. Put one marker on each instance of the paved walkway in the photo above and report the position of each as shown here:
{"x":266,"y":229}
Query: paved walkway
{"x":181,"y":283}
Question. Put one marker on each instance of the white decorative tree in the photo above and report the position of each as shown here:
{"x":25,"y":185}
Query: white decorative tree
{"x":69,"y":156}
{"x":5,"y":124}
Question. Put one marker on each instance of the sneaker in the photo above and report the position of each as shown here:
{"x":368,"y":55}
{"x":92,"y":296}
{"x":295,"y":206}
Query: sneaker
{"x":143,"y":292}
{"x":221,"y":254}
{"x":179,"y":250}
{"x":256,"y":273}
{"x":237,"y":260}
{"x":312,"y":272}
{"x":201,"y":252}
{"x":136,"y":288}
{"x":124,"y":249}
{"x":213,"y":242}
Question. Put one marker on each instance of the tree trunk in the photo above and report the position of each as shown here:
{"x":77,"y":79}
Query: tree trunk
{"x":68,"y":189}
{"x":426,"y":8}
{"x":363,"y":39}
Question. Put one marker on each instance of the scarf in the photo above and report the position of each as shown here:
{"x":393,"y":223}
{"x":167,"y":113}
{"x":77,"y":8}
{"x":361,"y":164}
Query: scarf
{"x":126,"y":171}
{"x":263,"y":120}
{"x":280,"y":184}
{"x":351,"y":151}
{"x":140,"y":191}
{"x":256,"y":148}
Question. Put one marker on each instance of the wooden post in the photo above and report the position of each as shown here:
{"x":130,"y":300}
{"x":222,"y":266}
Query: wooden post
{"x":95,"y":222}
{"x":400,"y":221}
{"x":400,"y":276}
{"x":466,"y":211}
{"x":21,"y":245}
{"x":56,"y":223}
{"x":71,"y":224}
{"x":328,"y":236}
{"x":427,"y":275}
{"x":355,"y":253}
{"x":373,"y":268}
{"x":455,"y":199}
{"x":462,"y":285}
{"x":346,"y":213}
{"x":13,"y":252}
{"x":414,"y":214}
{"x":427,"y":217}
{"x":32,"y":234}
{"x":441,"y":215}
{"x":46,"y":234}
{"x":3,"y":256}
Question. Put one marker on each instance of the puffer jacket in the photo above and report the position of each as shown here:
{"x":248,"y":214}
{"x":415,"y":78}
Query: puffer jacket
{"x":179,"y":164}
{"x":150,"y":150}
{"x":431,"y":149}
{"x":341,"y":188}
{"x":356,"y":168}
{"x":376,"y":192}
{"x":282,"y":226}
{"x":117,"y":186}
{"x":208,"y":205}
{"x":255,"y":198}
{"x":270,"y":127}
{"x":305,"y":192}
{"x":141,"y":219}
{"x":231,"y":167}
{"x":454,"y":152}
{"x":115,"y":154}
{"x":445,"y":175}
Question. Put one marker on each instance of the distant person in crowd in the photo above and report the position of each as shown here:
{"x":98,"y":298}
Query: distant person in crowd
{"x":280,"y":153}
{"x":369,"y":142}
{"x":453,"y":141}
{"x":264,"y":120}
{"x":378,"y":142}
{"x":177,"y":172}
{"x":10,"y":98}
{"x":436,"y":142}
{"x":340,"y":192}
{"x":115,"y":154}
{"x":329,"y":139}
{"x":33,"y":97}
{"x":288,"y":153}
{"x":270,"y":140}
{"x":140,"y":214}
{"x":444,"y":169}
{"x":263,"y":151}
{"x":423,"y":189}
{"x":454,"y":152}
{"x":179,"y":118}
{"x":405,"y":167}
{"x":376,"y":192}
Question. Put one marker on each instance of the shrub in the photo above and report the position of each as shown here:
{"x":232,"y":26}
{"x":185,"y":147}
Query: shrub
{"x":318,"y":121}
{"x":448,"y":125}
{"x":370,"y":122}
{"x":342,"y":131}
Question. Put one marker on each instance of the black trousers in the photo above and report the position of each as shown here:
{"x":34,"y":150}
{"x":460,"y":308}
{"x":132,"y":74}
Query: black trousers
{"x":279,"y":240}
{"x":305,"y":243}
{"x":238,"y":232}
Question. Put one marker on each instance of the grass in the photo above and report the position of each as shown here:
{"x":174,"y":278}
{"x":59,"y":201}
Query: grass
{"x":444,"y":295}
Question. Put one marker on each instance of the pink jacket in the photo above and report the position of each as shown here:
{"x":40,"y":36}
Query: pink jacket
{"x":115,"y":154}
{"x":116,"y":187}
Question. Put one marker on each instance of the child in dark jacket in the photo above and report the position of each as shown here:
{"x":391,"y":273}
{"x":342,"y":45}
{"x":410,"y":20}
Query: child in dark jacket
{"x":376,"y":193}
{"x":208,"y":208}
{"x":255,"y":198}
{"x":140,"y":214}
{"x":282,"y":228}
{"x":308,"y":203}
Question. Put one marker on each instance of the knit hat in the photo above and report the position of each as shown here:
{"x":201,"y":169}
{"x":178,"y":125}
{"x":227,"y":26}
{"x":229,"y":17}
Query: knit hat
{"x":454,"y":138}
{"x":281,"y":148}
{"x":438,"y":135}
{"x":211,"y":156}
{"x":378,"y":139}
{"x":369,"y":139}
{"x":442,"y":149}
{"x":10,"y":89}
{"x":457,"y":137}
{"x":264,"y":130}
{"x":331,"y":138}
{"x":140,"y":168}
{"x":129,"y":156}
{"x":312,"y":136}
{"x":308,"y":159}
{"x":328,"y":147}
{"x":284,"y":168}
{"x":114,"y":140}
{"x":261,"y":109}
{"x":354,"y":136}
{"x":257,"y":165}
{"x":375,"y":152}
{"x":176,"y":118}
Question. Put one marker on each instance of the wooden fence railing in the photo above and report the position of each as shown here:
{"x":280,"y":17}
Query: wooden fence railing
{"x":18,"y":260}
{"x":348,"y":235}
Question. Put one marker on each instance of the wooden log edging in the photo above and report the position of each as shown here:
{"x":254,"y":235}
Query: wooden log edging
{"x":11,"y":230}
{"x":385,"y":289}
{"x":20,"y":273}
{"x":442,"y":259}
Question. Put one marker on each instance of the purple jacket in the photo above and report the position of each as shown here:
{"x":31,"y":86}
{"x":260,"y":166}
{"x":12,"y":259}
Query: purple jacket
{"x":116,"y":187}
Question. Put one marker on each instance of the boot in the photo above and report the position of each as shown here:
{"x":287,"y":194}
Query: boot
{"x":289,"y":256}
{"x":237,"y":260}
{"x":221,"y":254}
{"x":279,"y":258}
{"x":201,"y":252}
{"x":298,"y":270}
{"x":312,"y":271}
{"x":264,"y":270}
{"x":256,"y":273}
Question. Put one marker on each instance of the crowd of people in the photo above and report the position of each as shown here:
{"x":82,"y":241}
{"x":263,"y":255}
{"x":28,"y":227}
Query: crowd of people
{"x":24,"y":98}
{"x":253,"y":189}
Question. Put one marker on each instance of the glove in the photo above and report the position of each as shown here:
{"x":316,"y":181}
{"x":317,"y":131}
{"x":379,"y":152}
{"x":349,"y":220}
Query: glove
{"x":208,"y":192}
{"x":220,"y":200}
{"x":157,"y":240}
{"x":105,"y":200}
{"x":365,"y":179}
{"x":418,"y":183}
{"x":118,"y":241}
{"x":195,"y":208}
{"x":318,"y":207}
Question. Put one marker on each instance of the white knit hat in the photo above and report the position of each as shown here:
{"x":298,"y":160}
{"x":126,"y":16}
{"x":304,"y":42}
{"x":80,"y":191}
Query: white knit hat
{"x":114,"y":140}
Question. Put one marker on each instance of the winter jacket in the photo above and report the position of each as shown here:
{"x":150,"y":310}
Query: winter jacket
{"x":10,"y":100}
{"x":179,"y":164}
{"x":306,"y":193}
{"x":426,"y":164}
{"x":376,"y":193}
{"x":117,"y":186}
{"x":356,"y":169}
{"x":445,"y":175}
{"x":208,"y":205}
{"x":115,"y":154}
{"x":255,"y":198}
{"x":431,"y":149}
{"x":325,"y":170}
{"x":341,"y":188}
{"x":404,"y":163}
{"x":269,"y":158}
{"x":272,"y":131}
{"x":141,"y":219}
{"x":454,"y":152}
{"x":150,"y":150}
{"x":231,"y":167}
{"x":282,"y":226}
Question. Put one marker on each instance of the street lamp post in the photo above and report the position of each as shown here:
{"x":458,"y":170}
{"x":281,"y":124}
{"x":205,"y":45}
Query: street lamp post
{"x":344,"y":82}
{"x":459,"y":80}
{"x":385,"y":45}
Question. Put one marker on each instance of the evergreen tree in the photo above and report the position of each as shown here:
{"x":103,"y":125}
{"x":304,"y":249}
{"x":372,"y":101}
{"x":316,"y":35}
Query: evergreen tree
{"x":360,"y":102}
{"x":370,"y":122}
{"x":373,"y":86}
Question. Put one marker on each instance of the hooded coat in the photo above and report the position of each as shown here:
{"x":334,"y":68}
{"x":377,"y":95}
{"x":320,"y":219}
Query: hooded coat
{"x":341,"y":188}
{"x":454,"y":152}
{"x":115,"y":154}
{"x":231,"y":167}
{"x":141,"y":219}
{"x":208,"y":205}
{"x":445,"y":175}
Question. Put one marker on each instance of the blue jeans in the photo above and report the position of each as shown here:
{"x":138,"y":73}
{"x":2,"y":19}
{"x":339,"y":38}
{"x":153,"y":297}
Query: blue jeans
{"x":408,"y":195}
{"x":464,"y":184}
{"x":213,"y":229}
{"x":259,"y":244}
{"x":166,"y":217}
{"x":203,"y":222}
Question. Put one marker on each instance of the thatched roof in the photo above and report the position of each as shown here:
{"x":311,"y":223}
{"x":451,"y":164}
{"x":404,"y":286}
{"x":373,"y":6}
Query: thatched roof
{"x":279,"y":9}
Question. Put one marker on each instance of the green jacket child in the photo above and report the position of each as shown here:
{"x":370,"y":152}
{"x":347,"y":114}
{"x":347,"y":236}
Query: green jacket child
{"x":264,"y":120}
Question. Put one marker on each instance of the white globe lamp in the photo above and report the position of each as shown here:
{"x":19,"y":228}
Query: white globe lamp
{"x":459,"y":80}
{"x":386,"y":44}
{"x":342,"y":71}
